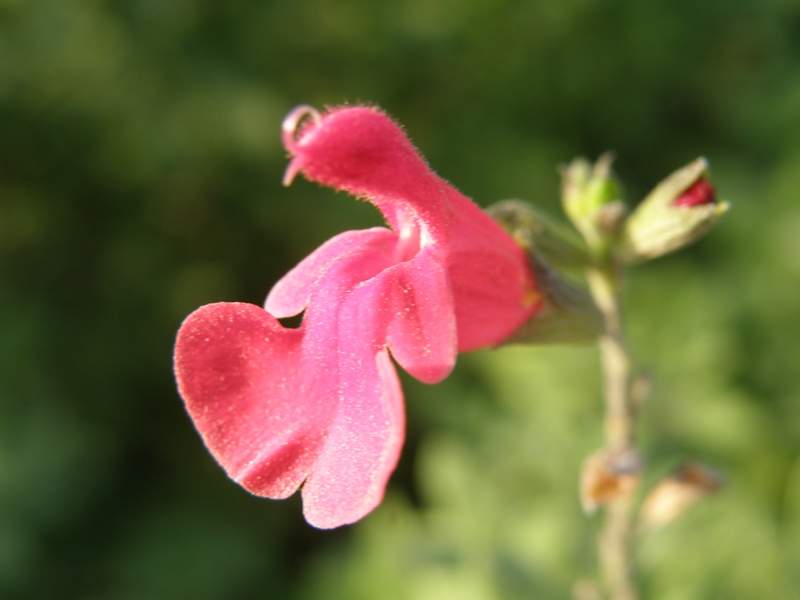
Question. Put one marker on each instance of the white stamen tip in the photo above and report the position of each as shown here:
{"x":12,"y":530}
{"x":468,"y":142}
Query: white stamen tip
{"x":292,"y":122}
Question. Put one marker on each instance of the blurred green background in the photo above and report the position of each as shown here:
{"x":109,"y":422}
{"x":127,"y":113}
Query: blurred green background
{"x":140,"y":169}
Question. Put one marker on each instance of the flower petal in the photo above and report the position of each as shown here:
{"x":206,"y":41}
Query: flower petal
{"x":364,"y":438}
{"x":291,"y":295}
{"x":493,"y":288}
{"x":260,"y":414}
{"x":421,"y":331}
{"x":362,"y":449}
{"x":493,"y":297}
{"x":362,"y":151}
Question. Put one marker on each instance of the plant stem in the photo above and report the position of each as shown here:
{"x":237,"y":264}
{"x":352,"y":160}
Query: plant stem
{"x":615,"y":544}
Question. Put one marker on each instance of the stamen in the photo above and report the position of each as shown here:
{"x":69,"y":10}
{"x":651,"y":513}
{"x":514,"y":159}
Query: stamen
{"x":293,"y":121}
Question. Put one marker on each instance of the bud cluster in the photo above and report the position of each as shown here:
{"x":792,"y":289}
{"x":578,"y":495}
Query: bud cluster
{"x":679,"y":210}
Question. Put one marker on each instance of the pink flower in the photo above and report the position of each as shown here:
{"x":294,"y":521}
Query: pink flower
{"x":320,"y":405}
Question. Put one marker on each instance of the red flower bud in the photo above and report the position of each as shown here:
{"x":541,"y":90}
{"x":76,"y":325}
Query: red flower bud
{"x":656,"y":227}
{"x":700,"y":192}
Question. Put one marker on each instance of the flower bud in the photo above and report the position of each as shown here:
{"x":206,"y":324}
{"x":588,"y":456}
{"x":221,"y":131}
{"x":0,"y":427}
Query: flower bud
{"x":678,"y":492}
{"x":676,"y":213}
{"x":591,"y":198}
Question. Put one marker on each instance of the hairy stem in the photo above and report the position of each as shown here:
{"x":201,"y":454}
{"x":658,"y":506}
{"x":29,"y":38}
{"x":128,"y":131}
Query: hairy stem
{"x":615,"y":545}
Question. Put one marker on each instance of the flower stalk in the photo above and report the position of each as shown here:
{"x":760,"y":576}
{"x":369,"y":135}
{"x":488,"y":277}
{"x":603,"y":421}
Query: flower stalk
{"x":604,"y":285}
{"x":610,"y":476}
{"x":615,"y":544}
{"x":676,"y":213}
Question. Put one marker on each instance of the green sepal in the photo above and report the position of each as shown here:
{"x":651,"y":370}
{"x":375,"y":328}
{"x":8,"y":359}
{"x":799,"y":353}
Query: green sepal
{"x":568,"y":314}
{"x":556,"y":242}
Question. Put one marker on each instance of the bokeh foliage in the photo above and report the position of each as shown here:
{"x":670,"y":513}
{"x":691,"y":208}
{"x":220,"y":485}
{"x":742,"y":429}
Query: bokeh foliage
{"x":140,"y":170}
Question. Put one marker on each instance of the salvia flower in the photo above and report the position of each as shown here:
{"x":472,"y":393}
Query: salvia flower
{"x":320,"y":405}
